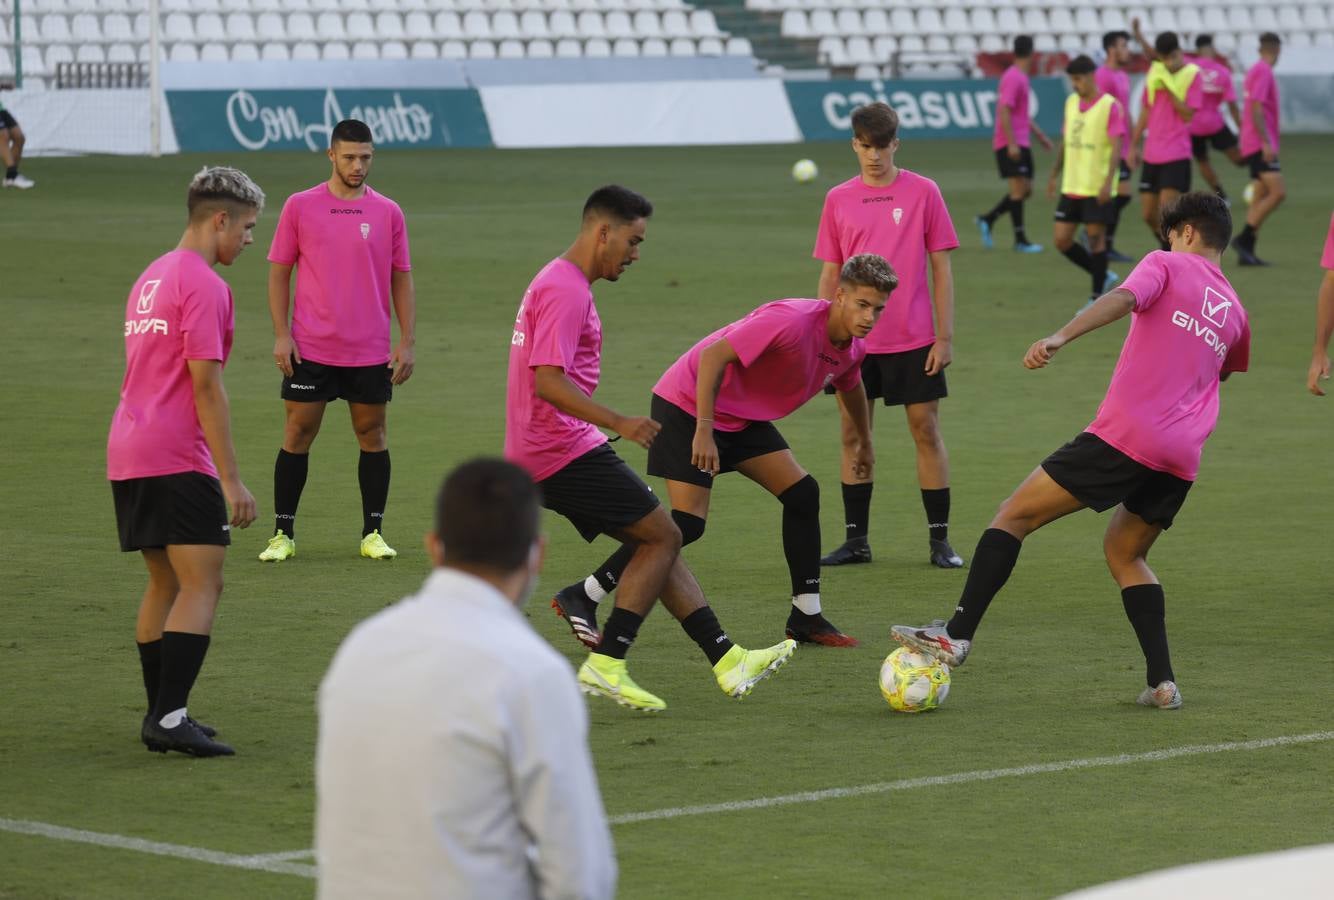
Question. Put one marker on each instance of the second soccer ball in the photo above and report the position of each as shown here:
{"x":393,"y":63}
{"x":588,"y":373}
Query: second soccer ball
{"x":804,"y":170}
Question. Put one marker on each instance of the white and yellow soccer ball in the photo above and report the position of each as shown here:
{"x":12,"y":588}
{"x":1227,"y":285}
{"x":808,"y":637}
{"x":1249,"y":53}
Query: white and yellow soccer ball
{"x":913,"y":682}
{"x":804,"y":170}
{"x":1248,"y":193}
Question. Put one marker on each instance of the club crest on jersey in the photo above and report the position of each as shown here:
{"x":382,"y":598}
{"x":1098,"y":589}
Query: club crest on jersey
{"x":144,"y":305}
{"x":898,"y":214}
{"x":365,"y":230}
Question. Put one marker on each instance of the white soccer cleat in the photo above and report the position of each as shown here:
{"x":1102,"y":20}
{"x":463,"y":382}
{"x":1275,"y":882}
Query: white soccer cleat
{"x":933,"y":640}
{"x":22,"y":182}
{"x":1164,"y":696}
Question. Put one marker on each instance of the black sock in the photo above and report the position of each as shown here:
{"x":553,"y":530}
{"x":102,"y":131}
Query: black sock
{"x":182,"y":658}
{"x":150,"y":660}
{"x":1099,"y":272}
{"x":1145,"y":608}
{"x":289,"y":480}
{"x":801,"y":535}
{"x":373,"y":474}
{"x":1017,"y":220}
{"x":997,"y":211}
{"x":619,"y":632}
{"x":936,"y":502}
{"x":1247,"y":234}
{"x":857,"y":509}
{"x":12,"y":172}
{"x":993,"y":561}
{"x":703,"y":628}
{"x":1079,"y":256}
{"x":608,"y":575}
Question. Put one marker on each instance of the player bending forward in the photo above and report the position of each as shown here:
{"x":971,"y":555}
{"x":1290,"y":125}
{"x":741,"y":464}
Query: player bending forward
{"x":717,"y":405}
{"x":1141,"y":453}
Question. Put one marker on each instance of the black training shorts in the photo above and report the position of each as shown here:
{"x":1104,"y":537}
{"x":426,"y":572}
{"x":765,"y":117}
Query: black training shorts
{"x":184,"y":508}
{"x":900,"y":379}
{"x":312,"y":381}
{"x":1085,"y":209}
{"x":1123,"y":173}
{"x":669,"y":454}
{"x":1015,"y":168}
{"x":1100,"y":477}
{"x":1221,"y":140}
{"x":7,"y":120}
{"x":1174,"y":176}
{"x":1256,"y":163}
{"x":598,"y":493}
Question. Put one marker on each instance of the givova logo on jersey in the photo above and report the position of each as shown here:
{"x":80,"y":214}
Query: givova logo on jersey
{"x":143,"y":306}
{"x":1213,"y":314}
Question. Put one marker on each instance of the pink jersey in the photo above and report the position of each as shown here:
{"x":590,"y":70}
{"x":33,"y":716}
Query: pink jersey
{"x":1012,"y":92}
{"x":1168,"y":138}
{"x":903,"y":222}
{"x":1260,"y":87}
{"x":1216,"y":83}
{"x":1327,"y":258}
{"x":786,"y":359}
{"x":557,"y":325}
{"x":345,"y":253}
{"x":1117,"y":83}
{"x":1188,"y":328}
{"x":178,"y":310}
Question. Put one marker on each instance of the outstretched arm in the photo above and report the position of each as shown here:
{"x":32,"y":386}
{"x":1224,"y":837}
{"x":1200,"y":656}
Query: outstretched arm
{"x":1106,"y":309}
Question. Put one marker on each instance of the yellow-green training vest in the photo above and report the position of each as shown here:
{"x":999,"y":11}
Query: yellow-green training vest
{"x":1088,"y":149}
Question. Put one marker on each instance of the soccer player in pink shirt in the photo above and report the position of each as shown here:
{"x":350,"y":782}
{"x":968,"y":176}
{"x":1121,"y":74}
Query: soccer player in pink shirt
{"x":1112,"y":79}
{"x":170,"y":457}
{"x":717,"y":404}
{"x":1141,"y":453}
{"x":1259,"y":147}
{"x":1010,"y":142}
{"x":349,"y":245}
{"x":1165,"y":174}
{"x":552,"y":430}
{"x":1207,"y":127}
{"x":901,"y":216}
{"x":1324,"y":319}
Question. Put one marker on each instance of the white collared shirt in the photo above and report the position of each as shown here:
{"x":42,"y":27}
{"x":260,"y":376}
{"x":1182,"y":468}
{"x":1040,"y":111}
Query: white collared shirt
{"x":453,"y":757}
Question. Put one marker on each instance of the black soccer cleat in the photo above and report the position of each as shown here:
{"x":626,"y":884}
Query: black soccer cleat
{"x":184,"y":738}
{"x":581,"y":614}
{"x":944,"y":557}
{"x":852,"y":552}
{"x":1245,"y":247}
{"x":816,"y":629}
{"x":208,"y":730}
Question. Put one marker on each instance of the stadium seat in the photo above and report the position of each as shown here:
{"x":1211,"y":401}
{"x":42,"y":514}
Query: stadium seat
{"x":929,"y":21}
{"x":858,"y":49}
{"x":1190,"y":21}
{"x":1239,"y":19}
{"x":965,"y":44}
{"x":1315,"y":16}
{"x":239,"y":27}
{"x":1044,"y":43}
{"x":34,"y":64}
{"x":533,"y":24}
{"x":675,"y":23}
{"x":569,"y":48}
{"x":397,"y":50}
{"x":739,"y":46}
{"x":703,"y":24}
{"x":955,"y":21}
{"x":301,"y":27}
{"x":884,"y":47}
{"x":1008,"y":21}
{"x":476,"y":26}
{"x":794,"y":24}
{"x":243,"y":52}
{"x":505,"y":24}
{"x":510,"y":48}
{"x":590,"y":25}
{"x":710,"y":46}
{"x":274,"y":52}
{"x":541,"y":48}
{"x":848,"y":22}
{"x":646,"y":24}
{"x":991,"y":43}
{"x":617,"y":24}
{"x":984,"y":21}
{"x":453,"y":49}
{"x":93,"y":53}
{"x":597,"y":47}
{"x":425,"y":50}
{"x":625,"y":47}
{"x":389,"y":26}
{"x":329,"y":26}
{"x":448,"y":25}
{"x":830,"y":51}
{"x":1290,"y":20}
{"x":235,"y":6}
{"x":655,"y":47}
{"x":1215,"y":20}
{"x":85,"y":28}
{"x":212,"y":52}
{"x":178,"y":27}
{"x":481,"y":49}
{"x":305,"y":51}
{"x":562,"y":24}
{"x":178,"y":52}
{"x":682,"y":47}
{"x":209,"y":28}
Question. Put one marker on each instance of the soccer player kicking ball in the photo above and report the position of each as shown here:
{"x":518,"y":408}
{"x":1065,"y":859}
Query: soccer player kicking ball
{"x":1011,"y":144}
{"x":170,"y":457}
{"x":1324,"y":320}
{"x":551,"y":430}
{"x":717,"y":405}
{"x":1088,"y":165}
{"x":1142,"y":451}
{"x":1171,"y":97}
{"x":901,"y":216}
{"x":1112,"y":79}
{"x":1259,"y":147}
{"x":349,"y":245}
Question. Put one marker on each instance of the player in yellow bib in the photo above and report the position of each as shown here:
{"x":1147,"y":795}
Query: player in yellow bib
{"x":1088,"y":162}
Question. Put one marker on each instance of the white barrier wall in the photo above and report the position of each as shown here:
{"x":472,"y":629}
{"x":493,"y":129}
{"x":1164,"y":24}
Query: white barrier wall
{"x":733,"y":111}
{"x":115,"y":120}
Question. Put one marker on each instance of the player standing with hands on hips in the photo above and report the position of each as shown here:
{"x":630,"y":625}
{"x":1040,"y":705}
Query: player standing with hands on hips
{"x":349,"y":245}
{"x":170,"y":457}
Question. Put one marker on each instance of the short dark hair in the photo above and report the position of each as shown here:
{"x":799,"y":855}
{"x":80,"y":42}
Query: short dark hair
{"x":353,"y":131}
{"x":1081,"y":65}
{"x":487,"y":515}
{"x":875,"y":123}
{"x":1203,"y":40}
{"x":869,"y":270}
{"x":1205,"y":211}
{"x":1269,"y":39}
{"x":1023,"y":46}
{"x":1167,"y":43}
{"x":617,"y":202}
{"x":1110,"y":38}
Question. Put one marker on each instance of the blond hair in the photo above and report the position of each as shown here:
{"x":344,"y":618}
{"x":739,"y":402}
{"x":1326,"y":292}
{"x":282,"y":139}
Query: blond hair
{"x":213,"y":185}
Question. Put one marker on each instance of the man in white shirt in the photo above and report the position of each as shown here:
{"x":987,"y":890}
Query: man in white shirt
{"x":453,"y":761}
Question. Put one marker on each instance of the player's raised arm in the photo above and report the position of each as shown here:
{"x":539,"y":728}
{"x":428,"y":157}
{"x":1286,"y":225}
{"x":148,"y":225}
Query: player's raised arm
{"x":1105,"y":310}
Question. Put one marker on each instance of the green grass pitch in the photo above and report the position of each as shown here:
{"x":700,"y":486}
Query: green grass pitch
{"x":1054,"y":674}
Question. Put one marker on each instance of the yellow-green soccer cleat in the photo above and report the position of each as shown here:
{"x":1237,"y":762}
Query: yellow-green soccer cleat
{"x":607,"y":676}
{"x":280,"y":547}
{"x":374,"y":547}
{"x":741,"y":669}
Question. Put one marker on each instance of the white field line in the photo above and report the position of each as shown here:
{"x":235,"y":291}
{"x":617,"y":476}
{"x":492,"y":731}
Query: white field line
{"x":280,"y":863}
{"x":907,"y":784}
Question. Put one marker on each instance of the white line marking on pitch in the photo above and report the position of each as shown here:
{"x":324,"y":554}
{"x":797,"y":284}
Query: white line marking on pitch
{"x":967,"y":777}
{"x":280,"y":863}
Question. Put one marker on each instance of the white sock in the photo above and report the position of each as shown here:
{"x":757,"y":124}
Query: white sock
{"x":173,"y":718}
{"x":593,"y":589}
{"x":807,"y":603}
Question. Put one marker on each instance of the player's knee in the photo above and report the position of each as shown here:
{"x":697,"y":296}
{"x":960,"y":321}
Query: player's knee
{"x":803,"y":498}
{"x":662,"y":532}
{"x":690,"y":526}
{"x":1063,"y":242}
